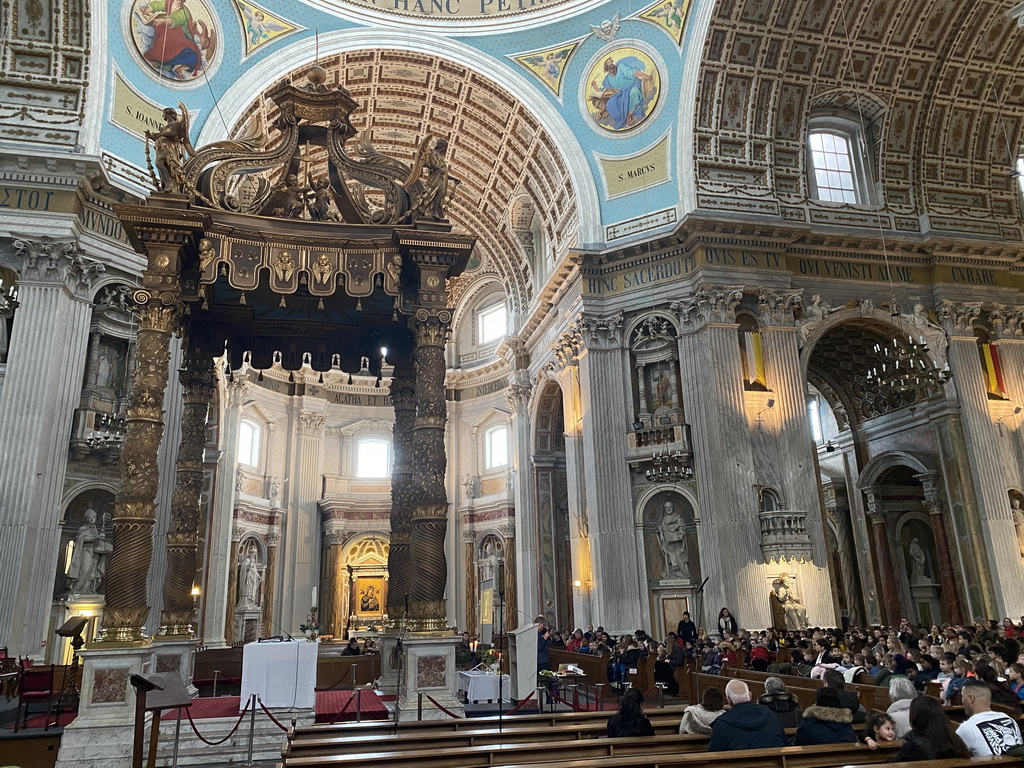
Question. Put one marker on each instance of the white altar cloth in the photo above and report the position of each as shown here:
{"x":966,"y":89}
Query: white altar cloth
{"x":282,"y":674}
{"x":483,"y":686}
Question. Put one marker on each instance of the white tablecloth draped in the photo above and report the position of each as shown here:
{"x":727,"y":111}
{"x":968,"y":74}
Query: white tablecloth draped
{"x":483,"y":686}
{"x":282,"y":674}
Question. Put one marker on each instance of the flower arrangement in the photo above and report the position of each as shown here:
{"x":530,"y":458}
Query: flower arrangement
{"x":490,"y":657}
{"x":544,"y":677}
{"x":311,"y":627}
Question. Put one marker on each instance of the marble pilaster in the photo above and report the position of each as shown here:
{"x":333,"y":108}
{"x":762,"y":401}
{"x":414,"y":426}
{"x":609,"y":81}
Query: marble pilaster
{"x":883,"y":556}
{"x":40,"y":392}
{"x":220,"y":554}
{"x":983,"y":445}
{"x":333,"y":606}
{"x":605,"y":386}
{"x":933,"y":504}
{"x":269,"y":581}
{"x":301,"y":540}
{"x":709,"y":357}
{"x":526,"y":514}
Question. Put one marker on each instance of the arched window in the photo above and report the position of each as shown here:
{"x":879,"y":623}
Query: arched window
{"x":492,"y":323}
{"x":249,"y":434}
{"x":496,"y":447}
{"x":769,"y":500}
{"x":835,"y":176}
{"x":373,"y":458}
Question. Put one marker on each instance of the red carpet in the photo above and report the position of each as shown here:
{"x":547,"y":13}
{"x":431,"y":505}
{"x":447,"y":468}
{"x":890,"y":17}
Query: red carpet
{"x":39,"y":721}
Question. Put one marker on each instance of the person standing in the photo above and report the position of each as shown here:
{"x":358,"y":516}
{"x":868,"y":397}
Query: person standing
{"x":727,"y":623}
{"x":543,"y":641}
{"x":985,"y":732}
{"x":686,"y":630}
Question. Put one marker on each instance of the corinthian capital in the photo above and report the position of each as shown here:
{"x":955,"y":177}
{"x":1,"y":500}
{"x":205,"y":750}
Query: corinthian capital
{"x":237,"y":390}
{"x":1007,"y":322}
{"x":602,"y":332}
{"x":519,"y":393}
{"x":567,"y":346}
{"x":57,"y":262}
{"x":778,"y":308}
{"x":311,"y":424}
{"x":957,"y":317}
{"x":708,"y":304}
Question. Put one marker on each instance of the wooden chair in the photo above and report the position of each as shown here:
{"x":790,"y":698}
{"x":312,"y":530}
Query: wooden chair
{"x":34,"y":686}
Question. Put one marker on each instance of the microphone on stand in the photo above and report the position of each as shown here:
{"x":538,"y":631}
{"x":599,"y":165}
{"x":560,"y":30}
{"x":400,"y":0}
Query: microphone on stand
{"x":279,"y":637}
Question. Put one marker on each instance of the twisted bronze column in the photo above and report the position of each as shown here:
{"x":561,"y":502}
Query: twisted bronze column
{"x":430,"y":513}
{"x":403,"y":395}
{"x":135,"y":504}
{"x":197,"y":378}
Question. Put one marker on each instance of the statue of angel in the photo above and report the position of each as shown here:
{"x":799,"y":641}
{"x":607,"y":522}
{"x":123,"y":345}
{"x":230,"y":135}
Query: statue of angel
{"x":172,"y":145}
{"x":431,"y":202}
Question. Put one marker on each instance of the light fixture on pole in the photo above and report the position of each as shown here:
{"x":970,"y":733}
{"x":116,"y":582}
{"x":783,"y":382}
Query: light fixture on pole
{"x":767,"y":407}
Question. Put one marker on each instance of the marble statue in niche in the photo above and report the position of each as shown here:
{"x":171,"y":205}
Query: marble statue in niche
{"x":672,"y":537}
{"x":919,"y":572}
{"x":1018,"y":523}
{"x":489,"y":552}
{"x":249,"y":579}
{"x":792,"y":605}
{"x":88,"y":558}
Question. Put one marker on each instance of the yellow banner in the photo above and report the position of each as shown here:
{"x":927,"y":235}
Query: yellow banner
{"x":36,"y":199}
{"x":132,"y":111}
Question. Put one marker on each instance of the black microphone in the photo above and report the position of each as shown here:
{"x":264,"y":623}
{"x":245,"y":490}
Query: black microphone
{"x":278,"y":626}
{"x":701,"y":587}
{"x":501,"y":580}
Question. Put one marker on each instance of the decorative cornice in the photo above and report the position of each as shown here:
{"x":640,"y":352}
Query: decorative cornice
{"x":1007,"y":322}
{"x":602,"y":333}
{"x":957,"y":317}
{"x":710,"y":304}
{"x":778,"y":308}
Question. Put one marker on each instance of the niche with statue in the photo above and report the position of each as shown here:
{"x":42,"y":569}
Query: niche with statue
{"x":670,"y":540}
{"x":86,"y":543}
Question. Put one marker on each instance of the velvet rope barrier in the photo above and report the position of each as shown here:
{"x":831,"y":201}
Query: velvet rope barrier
{"x":441,"y":707}
{"x":521,"y":704}
{"x":569,"y":704}
{"x":345,"y":677}
{"x":266,"y":711}
{"x":344,"y":709}
{"x":188,"y":711}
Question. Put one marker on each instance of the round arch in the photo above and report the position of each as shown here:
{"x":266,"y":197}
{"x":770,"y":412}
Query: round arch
{"x":237,"y":98}
{"x":880,"y":464}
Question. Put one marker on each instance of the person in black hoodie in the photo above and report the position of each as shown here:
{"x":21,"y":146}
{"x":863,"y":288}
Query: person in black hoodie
{"x":826,"y":722}
{"x":930,"y":737}
{"x":630,"y":720}
{"x":747,"y":725}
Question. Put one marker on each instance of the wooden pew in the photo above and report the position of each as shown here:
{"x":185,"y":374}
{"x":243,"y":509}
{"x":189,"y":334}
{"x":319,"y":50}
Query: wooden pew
{"x":871,"y":696}
{"x":805,"y":696}
{"x":651,"y":752}
{"x":553,"y":720}
{"x":789,"y":757}
{"x":334,"y":671}
{"x":594,"y":667}
{"x":222,"y":664}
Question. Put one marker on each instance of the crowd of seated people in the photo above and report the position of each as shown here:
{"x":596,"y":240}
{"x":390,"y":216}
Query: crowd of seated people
{"x":978,"y":666}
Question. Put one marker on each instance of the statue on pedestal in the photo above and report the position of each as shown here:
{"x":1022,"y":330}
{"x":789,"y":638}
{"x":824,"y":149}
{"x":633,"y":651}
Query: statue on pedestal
{"x":171,"y":144}
{"x":672,"y":538}
{"x":88,"y":559}
{"x":249,"y":582}
{"x":796,"y":613}
{"x":431,"y":203}
{"x":1018,"y":524}
{"x":918,"y":563}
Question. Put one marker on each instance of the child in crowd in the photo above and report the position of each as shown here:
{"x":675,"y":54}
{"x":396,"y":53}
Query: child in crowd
{"x":880,"y":728}
{"x":1015,"y":675}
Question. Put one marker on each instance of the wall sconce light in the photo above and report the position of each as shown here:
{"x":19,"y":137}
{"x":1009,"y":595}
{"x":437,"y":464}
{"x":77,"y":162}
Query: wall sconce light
{"x":830,"y":446}
{"x":638,"y":425}
{"x":768,"y":406}
{"x":578,"y":584}
{"x":195,"y":592}
{"x":1016,"y":410}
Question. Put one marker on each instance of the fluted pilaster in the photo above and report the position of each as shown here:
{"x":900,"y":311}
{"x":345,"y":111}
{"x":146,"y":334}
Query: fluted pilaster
{"x":883,"y":555}
{"x":983,"y":447}
{"x":221,"y":557}
{"x":525,"y":552}
{"x":604,"y":387}
{"x":45,"y":362}
{"x":333,"y":605}
{"x":269,"y":579}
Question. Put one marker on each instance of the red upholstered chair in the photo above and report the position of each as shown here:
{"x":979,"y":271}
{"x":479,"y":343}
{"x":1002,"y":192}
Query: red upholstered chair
{"x":35,"y":686}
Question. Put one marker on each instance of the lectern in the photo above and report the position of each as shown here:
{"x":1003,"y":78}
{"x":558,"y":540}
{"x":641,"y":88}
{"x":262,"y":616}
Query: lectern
{"x":523,"y":661}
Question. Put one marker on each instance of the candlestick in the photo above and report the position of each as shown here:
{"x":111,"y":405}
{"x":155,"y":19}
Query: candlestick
{"x":314,"y":597}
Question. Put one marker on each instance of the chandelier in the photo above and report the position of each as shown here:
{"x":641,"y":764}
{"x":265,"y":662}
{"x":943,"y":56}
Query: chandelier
{"x":108,"y":432}
{"x":669,"y":467}
{"x":906,"y":368}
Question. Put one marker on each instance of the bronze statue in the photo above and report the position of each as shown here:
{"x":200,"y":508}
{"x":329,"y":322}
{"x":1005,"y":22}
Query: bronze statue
{"x":432,"y":201}
{"x":172,"y":146}
{"x":319,"y":204}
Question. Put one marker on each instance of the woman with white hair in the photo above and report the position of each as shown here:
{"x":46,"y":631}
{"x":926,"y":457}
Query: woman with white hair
{"x":901,"y":693}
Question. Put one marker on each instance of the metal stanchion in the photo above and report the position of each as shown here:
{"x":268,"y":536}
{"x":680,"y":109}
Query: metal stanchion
{"x":419,"y":706}
{"x":177,"y":738}
{"x":661,"y":694}
{"x":216,"y":674}
{"x":252,"y":727}
{"x":575,"y":695}
{"x":359,"y":704}
{"x":540,"y":698}
{"x":599,"y":696}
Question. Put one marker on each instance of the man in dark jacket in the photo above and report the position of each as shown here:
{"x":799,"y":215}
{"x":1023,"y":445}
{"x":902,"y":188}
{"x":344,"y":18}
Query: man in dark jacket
{"x":747,"y":725}
{"x":687,"y":630}
{"x":847,"y":699}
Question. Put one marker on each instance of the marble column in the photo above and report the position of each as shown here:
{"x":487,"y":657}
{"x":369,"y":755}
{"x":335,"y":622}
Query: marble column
{"x":198,"y":382}
{"x":333,"y":606}
{"x":883,"y":556}
{"x":525,"y":552}
{"x":709,"y":359}
{"x":429,"y":520}
{"x":300,"y":559}
{"x":933,"y":504}
{"x":269,"y":581}
{"x":469,"y":562}
{"x":220,"y":553}
{"x":400,"y":575}
{"x":983,"y":451}
{"x":509,"y":571}
{"x":604,"y":387}
{"x":127,"y":609}
{"x":45,"y":363}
